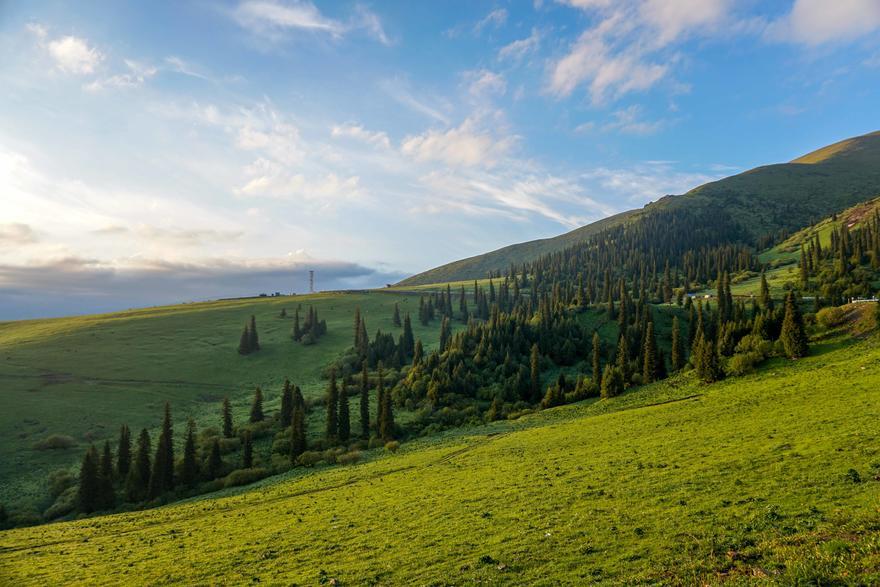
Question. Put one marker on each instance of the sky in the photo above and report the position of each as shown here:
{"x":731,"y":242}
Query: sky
{"x":159,"y":152}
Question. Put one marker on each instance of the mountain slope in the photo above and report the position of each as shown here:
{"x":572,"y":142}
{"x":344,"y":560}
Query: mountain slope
{"x":762,"y":201}
{"x":639,"y":489}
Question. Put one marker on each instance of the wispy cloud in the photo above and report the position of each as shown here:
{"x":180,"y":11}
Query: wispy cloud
{"x":465,"y":145}
{"x":17,"y":234}
{"x":815,"y":22}
{"x":518,"y":49}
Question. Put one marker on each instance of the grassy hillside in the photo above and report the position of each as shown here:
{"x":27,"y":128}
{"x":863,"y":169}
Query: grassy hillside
{"x":770,"y":476}
{"x":762,"y":201}
{"x":85,"y":376}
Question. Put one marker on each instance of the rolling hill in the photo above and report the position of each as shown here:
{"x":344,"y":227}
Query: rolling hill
{"x":767,"y":478}
{"x":762,"y":201}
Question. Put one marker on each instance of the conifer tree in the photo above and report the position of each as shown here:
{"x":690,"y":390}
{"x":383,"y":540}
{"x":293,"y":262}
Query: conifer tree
{"x":247,"y":451}
{"x":286,"y":415}
{"x":793,"y":334}
{"x":297,"y":430}
{"x":408,"y":338}
{"x":139,"y":474}
{"x":215,"y":461}
{"x":622,"y":359}
{"x":386,"y":424}
{"x":445,"y":333}
{"x":253,"y":337}
{"x":649,"y":365}
{"x":123,"y":453}
{"x":766,"y":300}
{"x":395,"y":319}
{"x":88,"y":496}
{"x":244,"y":343}
{"x":332,"y":414}
{"x":676,"y":355}
{"x":189,"y":471}
{"x":380,"y":398}
{"x":296,"y":331}
{"x":365,"y":401}
{"x":162,"y":475}
{"x":596,"y":362}
{"x":344,"y":415}
{"x":107,"y":497}
{"x":283,"y":312}
{"x":534,"y":373}
{"x":418,"y":353}
{"x":257,"y":406}
{"x":612,"y":382}
{"x":228,"y":429}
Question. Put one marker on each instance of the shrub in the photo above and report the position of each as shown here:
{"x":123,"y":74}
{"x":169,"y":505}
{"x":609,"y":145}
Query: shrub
{"x":65,"y":503}
{"x":55,"y":442}
{"x":245,"y":476}
{"x":349,"y":458}
{"x":59,"y":481}
{"x":310,"y":458}
{"x":743,"y":363}
{"x":392,"y":446}
{"x":375,"y":442}
{"x":831,"y":316}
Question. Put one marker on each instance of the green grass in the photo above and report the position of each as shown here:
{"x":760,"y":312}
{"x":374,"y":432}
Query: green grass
{"x":85,"y":376}
{"x":673,"y":483}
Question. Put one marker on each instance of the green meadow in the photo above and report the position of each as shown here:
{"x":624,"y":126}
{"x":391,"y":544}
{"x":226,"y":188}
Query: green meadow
{"x":767,"y":477}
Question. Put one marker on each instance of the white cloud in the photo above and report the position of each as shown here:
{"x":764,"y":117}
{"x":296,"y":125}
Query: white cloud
{"x":485,"y":83}
{"x":629,"y":121}
{"x":495,"y":19}
{"x":135,"y":77}
{"x":274,"y":19}
{"x":358,"y":132}
{"x":465,"y":145}
{"x":624,"y":51}
{"x":399,"y":90}
{"x":522,"y":47}
{"x":645,"y":182}
{"x":269,"y":179}
{"x":17,"y":234}
{"x":71,"y":54}
{"x":814,"y":22}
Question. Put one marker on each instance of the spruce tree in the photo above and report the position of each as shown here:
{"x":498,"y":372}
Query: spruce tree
{"x":123,"y":453}
{"x":253,"y":337}
{"x":365,"y":401}
{"x":445,"y":333}
{"x":89,"y":494}
{"x":107,"y":496}
{"x":139,"y":474}
{"x":793,"y":335}
{"x":386,"y":424}
{"x":286,"y":415}
{"x":396,"y":318}
{"x":297,"y":432}
{"x":380,"y":398}
{"x":596,"y":360}
{"x":766,"y":300}
{"x":244,"y":343}
{"x":296,"y":331}
{"x":344,"y":418}
{"x":676,"y":355}
{"x":622,"y":359}
{"x":332,"y":413}
{"x":247,"y":451}
{"x":228,"y":429}
{"x":162,"y":475}
{"x":408,"y":339}
{"x":612,"y":382}
{"x":535,"y":373}
{"x":257,"y":406}
{"x":649,"y":365}
{"x":189,"y":470}
{"x":215,"y":461}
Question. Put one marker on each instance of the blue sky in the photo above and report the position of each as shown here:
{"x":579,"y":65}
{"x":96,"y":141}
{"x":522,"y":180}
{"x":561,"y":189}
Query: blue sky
{"x":171,"y":151}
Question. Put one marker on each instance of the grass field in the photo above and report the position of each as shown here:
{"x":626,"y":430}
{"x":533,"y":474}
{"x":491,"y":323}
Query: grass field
{"x":85,"y":376}
{"x":767,"y":477}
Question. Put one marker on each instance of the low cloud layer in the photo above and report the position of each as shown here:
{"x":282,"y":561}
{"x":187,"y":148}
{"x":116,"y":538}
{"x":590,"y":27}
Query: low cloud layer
{"x":75,"y":285}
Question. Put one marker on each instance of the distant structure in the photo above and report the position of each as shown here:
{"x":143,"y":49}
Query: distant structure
{"x":311,"y":281}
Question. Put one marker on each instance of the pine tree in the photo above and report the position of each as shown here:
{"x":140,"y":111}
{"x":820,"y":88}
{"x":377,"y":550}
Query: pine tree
{"x":380,"y":398}
{"x":622,"y":359}
{"x":445,"y":333}
{"x":386,"y":424}
{"x":283,"y":312}
{"x":793,"y":334}
{"x":408,"y":339}
{"x":535,"y":373}
{"x":597,"y":360}
{"x":123,"y":453}
{"x":257,"y":406}
{"x":494,"y":412}
{"x":612,"y":382}
{"x":253,"y":337}
{"x":139,"y":475}
{"x":332,"y":413}
{"x":766,"y":300}
{"x":396,"y":317}
{"x":296,"y":331}
{"x":215,"y":461}
{"x":297,"y":429}
{"x":247,"y":451}
{"x":344,"y":415}
{"x":676,"y":355}
{"x":286,"y":415}
{"x":189,"y":471}
{"x":228,"y":429}
{"x":88,"y":495}
{"x":244,"y":343}
{"x":649,"y":365}
{"x":162,"y":475}
{"x":107,"y":496}
{"x":365,"y":401}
